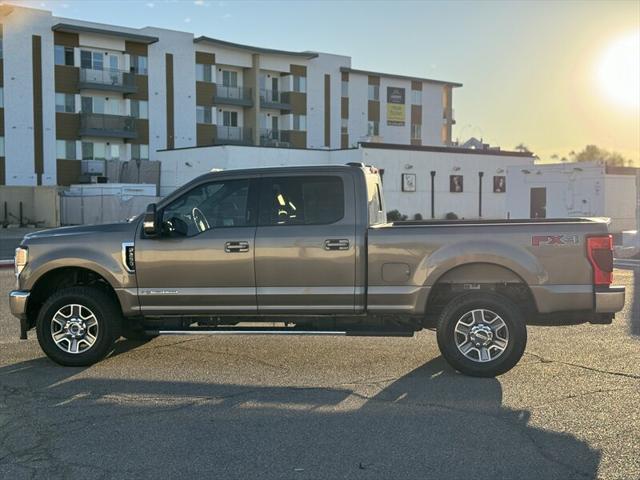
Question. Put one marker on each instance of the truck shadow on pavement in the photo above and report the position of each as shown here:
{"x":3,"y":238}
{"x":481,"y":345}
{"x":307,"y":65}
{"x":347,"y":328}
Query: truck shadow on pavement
{"x":431,"y":423}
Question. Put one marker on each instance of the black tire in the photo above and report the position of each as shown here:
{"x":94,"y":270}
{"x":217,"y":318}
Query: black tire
{"x":106,"y":312}
{"x":513,"y":319}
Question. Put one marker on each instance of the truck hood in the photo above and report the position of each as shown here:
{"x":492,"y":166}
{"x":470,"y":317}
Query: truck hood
{"x":126,"y":228}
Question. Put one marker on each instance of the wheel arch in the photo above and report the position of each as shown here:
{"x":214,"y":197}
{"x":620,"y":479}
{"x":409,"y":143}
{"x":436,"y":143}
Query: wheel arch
{"x":480,"y":276}
{"x":59,"y":278}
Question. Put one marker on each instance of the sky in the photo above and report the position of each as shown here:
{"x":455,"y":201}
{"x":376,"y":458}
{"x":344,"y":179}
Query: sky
{"x":553,"y":75}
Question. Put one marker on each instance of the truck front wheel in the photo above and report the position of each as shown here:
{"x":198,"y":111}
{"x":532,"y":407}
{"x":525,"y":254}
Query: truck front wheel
{"x":78,"y":326}
{"x":482,"y":334}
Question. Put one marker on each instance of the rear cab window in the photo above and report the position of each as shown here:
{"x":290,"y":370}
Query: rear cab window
{"x":375,"y":200}
{"x":301,"y":200}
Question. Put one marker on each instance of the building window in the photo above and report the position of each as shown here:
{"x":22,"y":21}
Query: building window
{"x":65,"y":102}
{"x":140,"y":108}
{"x":344,"y":126}
{"x":374,"y":92}
{"x":416,"y":131}
{"x":1,"y":146}
{"x":66,"y":149}
{"x":139,"y":64}
{"x":91,"y":60}
{"x":373,"y":129}
{"x":229,"y":119}
{"x":300,"y":122}
{"x":95,"y":150}
{"x":93,"y":104}
{"x":416,"y":97}
{"x":229,"y":78}
{"x":345,"y":88}
{"x":63,"y":55}
{"x":203,"y":72}
{"x":139,"y":151}
{"x":299,"y":84}
{"x":102,"y":105}
{"x":203,"y":114}
{"x":115,"y":152}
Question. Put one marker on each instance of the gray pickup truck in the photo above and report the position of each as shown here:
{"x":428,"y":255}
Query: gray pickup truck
{"x":309,"y":248}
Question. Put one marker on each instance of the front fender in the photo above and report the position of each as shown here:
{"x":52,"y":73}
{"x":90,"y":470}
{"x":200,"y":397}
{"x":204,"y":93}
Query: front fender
{"x":106,"y":264}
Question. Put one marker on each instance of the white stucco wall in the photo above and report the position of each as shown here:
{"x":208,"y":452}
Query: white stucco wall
{"x":421,"y":163}
{"x":358,"y":107}
{"x":181,"y":45}
{"x":316,"y":70}
{"x":180,"y":166}
{"x":18,"y":97}
{"x":619,"y":204}
{"x":575,"y":190}
{"x":432,"y":110}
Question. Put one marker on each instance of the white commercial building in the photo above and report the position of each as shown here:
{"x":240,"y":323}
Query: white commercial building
{"x":430,"y":181}
{"x":585,"y":189}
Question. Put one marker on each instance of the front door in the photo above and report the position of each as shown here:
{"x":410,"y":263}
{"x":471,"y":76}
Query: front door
{"x":205,"y":261}
{"x":538,"y":202}
{"x":305,"y":244}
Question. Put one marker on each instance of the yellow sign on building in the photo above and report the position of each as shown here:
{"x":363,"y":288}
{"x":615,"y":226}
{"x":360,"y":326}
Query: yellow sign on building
{"x":395,"y":106}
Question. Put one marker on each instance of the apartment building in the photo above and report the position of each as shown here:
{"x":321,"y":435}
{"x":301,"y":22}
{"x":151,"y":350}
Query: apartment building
{"x":75,"y":95}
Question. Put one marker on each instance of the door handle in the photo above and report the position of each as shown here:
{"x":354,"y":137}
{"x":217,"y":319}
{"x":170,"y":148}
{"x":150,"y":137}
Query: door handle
{"x":336,"y":244}
{"x":236,"y":247}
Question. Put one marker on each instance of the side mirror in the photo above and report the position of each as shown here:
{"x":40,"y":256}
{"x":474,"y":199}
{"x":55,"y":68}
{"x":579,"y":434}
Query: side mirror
{"x":175,"y":226}
{"x":150,"y":221}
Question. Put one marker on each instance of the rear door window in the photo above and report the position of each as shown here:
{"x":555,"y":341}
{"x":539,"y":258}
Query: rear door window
{"x":303,"y":200}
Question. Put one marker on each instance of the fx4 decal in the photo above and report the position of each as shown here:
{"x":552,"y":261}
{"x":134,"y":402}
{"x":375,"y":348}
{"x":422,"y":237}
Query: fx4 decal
{"x":539,"y":240}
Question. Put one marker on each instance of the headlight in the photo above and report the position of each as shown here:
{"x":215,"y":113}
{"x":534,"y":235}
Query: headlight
{"x":21,"y":259}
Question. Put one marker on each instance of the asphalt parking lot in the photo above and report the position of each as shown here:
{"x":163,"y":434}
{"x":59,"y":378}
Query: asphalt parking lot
{"x":324,"y":407}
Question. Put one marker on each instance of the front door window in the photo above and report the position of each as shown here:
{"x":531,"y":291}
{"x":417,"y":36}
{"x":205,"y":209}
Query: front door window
{"x":211,"y":206}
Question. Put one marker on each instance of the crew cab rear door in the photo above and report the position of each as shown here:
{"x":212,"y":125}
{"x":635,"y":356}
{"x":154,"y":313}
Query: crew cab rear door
{"x":305,"y":243}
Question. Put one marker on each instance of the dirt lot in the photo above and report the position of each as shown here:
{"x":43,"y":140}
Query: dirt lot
{"x":324,"y":407}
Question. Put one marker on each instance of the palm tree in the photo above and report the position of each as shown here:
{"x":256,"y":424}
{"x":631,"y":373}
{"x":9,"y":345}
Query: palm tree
{"x":521,"y":147}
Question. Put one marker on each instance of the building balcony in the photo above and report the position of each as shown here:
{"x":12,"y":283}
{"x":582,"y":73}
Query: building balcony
{"x":108,"y":79}
{"x":234,"y":135}
{"x":101,"y":125}
{"x":272,"y":138}
{"x":274,"y":99}
{"x":233,"y":96}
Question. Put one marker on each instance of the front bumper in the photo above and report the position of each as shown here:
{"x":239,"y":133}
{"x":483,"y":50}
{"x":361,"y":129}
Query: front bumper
{"x":18,"y":303}
{"x":609,"y":299}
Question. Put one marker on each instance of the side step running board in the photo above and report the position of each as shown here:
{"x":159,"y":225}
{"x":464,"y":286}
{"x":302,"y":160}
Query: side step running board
{"x":283,"y":331}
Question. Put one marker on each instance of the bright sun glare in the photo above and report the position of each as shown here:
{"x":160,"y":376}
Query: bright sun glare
{"x":618,"y":71}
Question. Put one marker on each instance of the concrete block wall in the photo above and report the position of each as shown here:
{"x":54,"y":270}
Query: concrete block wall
{"x":40,"y":205}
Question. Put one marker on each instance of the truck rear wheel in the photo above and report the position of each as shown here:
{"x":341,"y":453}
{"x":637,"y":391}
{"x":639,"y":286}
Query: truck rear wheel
{"x":482,"y":334}
{"x":78,"y":326}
